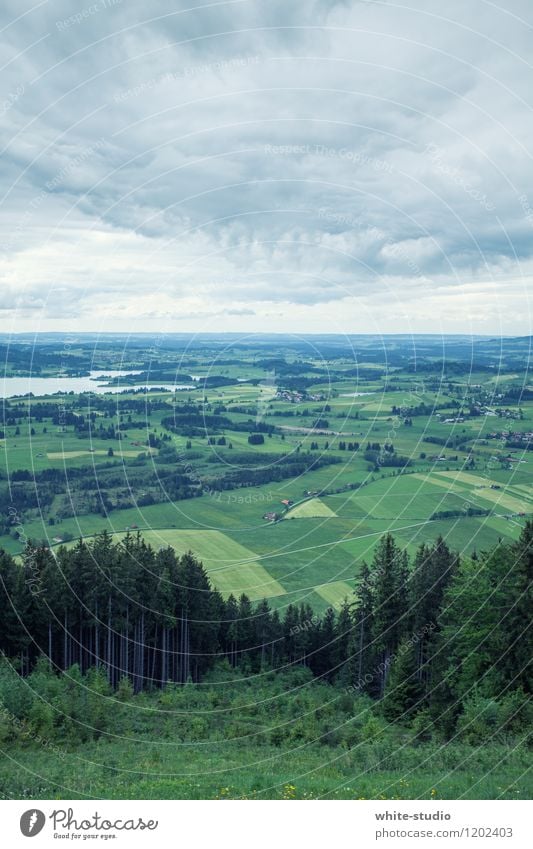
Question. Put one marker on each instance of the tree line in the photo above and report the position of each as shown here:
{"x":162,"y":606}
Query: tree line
{"x":440,"y":641}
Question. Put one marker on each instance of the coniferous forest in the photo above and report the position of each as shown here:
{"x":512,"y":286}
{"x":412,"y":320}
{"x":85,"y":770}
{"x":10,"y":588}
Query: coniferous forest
{"x":437,"y":651}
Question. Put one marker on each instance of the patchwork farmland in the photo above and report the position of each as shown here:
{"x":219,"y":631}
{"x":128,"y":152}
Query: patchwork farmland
{"x":281,"y":491}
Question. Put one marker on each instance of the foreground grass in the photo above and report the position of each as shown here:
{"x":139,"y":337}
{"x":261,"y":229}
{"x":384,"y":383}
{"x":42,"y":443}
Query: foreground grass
{"x":273,"y":736}
{"x":128,"y":771}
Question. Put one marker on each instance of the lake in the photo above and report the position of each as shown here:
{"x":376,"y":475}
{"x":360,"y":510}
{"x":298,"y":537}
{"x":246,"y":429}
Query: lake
{"x":12,"y":386}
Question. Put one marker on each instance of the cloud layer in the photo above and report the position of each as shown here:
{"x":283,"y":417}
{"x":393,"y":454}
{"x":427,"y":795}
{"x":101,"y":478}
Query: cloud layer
{"x":263,"y":165}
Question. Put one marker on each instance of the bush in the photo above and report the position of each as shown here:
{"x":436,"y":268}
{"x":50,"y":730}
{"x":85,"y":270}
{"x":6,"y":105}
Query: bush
{"x":15,"y":695}
{"x":41,"y":718}
{"x":256,"y":439}
{"x":479,"y":719}
{"x":373,"y":728}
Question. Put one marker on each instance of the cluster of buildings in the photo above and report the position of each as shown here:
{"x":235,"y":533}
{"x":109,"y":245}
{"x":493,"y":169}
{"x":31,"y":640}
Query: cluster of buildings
{"x":289,"y":395}
{"x":480,"y":410}
{"x":507,"y":413}
{"x":507,"y":435}
{"x":272,"y":516}
{"x":293,"y":396}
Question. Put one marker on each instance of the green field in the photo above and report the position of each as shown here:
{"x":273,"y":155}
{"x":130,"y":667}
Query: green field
{"x":311,"y":509}
{"x":231,"y":567}
{"x":319,"y":541}
{"x":335,"y":593}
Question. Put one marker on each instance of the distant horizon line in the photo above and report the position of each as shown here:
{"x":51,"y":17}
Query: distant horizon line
{"x":241,"y":334}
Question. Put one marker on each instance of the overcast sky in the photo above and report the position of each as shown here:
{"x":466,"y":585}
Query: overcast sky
{"x":267,"y":165}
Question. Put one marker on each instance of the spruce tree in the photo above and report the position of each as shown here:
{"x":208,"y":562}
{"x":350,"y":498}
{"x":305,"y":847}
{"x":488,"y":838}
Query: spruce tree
{"x":403,"y":692}
{"x":389,"y":573}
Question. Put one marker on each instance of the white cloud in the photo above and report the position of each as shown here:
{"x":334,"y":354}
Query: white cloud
{"x":370,"y":170}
